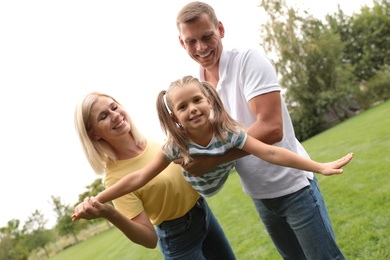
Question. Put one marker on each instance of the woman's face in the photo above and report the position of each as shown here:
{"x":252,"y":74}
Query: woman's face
{"x":108,"y":119}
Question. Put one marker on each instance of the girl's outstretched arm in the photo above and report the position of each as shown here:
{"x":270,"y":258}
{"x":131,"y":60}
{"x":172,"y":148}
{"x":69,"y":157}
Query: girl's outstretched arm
{"x":284,"y":157}
{"x":134,"y":180}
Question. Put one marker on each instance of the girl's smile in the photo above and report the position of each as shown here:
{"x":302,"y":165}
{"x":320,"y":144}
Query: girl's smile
{"x":195,"y":117}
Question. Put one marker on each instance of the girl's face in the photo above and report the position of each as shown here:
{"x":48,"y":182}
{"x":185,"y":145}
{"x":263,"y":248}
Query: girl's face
{"x":190,"y":106}
{"x":108,"y":119}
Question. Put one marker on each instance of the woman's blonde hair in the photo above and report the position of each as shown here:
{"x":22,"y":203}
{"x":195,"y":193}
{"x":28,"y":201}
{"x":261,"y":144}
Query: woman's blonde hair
{"x":98,"y":152}
{"x":175,"y":132}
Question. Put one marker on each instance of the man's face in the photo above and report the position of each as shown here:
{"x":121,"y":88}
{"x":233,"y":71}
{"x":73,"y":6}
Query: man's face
{"x":202,"y":41}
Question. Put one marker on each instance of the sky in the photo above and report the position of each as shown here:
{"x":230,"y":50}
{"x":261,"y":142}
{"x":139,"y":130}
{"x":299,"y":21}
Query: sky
{"x":52,"y":53}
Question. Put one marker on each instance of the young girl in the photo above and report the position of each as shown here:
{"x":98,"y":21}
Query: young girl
{"x":192,"y":116}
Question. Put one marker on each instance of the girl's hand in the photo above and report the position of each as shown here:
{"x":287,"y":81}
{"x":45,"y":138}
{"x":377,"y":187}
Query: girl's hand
{"x":81,"y":209}
{"x":90,"y":209}
{"x":334,"y":167}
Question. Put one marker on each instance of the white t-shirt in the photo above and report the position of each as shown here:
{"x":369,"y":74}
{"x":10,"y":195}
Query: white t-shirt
{"x":244,"y":74}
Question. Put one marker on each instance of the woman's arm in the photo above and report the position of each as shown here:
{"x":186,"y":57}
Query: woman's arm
{"x":138,"y":229}
{"x":284,"y":157}
{"x":134,"y":180}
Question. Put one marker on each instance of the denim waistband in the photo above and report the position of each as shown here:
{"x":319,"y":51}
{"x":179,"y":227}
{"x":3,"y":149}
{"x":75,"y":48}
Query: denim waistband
{"x":198,"y":204}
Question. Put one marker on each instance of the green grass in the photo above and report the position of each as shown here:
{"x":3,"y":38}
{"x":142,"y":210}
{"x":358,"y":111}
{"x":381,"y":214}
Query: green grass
{"x":109,"y":244}
{"x":358,"y":201}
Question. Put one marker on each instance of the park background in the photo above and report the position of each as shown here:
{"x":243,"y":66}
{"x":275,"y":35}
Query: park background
{"x":55,"y":52}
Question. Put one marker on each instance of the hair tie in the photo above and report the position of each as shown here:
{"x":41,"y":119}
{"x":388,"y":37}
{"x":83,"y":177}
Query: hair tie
{"x":166,"y":104}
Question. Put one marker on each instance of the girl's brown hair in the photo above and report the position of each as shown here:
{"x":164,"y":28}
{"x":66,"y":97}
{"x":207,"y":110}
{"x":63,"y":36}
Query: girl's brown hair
{"x":222,"y":122}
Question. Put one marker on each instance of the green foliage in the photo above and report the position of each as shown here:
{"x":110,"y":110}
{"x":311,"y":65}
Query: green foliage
{"x":367,"y":36}
{"x":11,"y":249}
{"x":35,"y":235}
{"x":379,"y":85}
{"x":357,"y":201}
{"x":11,"y":243}
{"x":318,"y":85}
{"x":92,"y":190}
{"x":329,"y":70}
{"x":65,"y":225}
{"x":11,"y":229}
{"x":376,"y":89}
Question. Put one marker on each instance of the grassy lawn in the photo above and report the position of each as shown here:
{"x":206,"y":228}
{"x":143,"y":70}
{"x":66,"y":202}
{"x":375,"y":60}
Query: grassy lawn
{"x":358,"y":201}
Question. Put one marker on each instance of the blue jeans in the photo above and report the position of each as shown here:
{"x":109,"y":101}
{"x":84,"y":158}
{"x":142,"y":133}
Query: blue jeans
{"x":197,"y":235}
{"x":299,"y":224}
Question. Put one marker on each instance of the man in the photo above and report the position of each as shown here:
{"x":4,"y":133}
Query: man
{"x":288,"y":201}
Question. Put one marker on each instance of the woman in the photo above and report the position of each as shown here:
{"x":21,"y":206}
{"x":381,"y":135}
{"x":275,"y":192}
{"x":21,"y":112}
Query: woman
{"x":185,"y":226}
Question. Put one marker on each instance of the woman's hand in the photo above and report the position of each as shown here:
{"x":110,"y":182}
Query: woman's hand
{"x":91,"y":209}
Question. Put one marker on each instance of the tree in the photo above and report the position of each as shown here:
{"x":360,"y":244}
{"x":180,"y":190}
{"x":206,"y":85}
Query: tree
{"x":65,"y":226}
{"x":35,"y":233}
{"x":366,"y":36}
{"x":92,"y":190}
{"x":378,"y":86}
{"x":317,"y":83}
{"x":367,"y":39}
{"x":11,"y":247}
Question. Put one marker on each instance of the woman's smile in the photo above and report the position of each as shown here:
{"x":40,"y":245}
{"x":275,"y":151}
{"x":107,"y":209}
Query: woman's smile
{"x":121,"y":123}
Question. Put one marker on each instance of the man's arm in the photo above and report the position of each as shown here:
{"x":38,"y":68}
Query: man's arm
{"x":268,"y":128}
{"x":201,"y":164}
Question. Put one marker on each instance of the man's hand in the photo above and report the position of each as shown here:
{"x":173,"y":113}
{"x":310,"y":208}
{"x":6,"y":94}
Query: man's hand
{"x":202,"y":164}
{"x":199,"y":165}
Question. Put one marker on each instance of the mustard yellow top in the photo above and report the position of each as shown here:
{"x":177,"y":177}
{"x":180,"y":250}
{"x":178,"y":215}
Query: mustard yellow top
{"x":168,"y":196}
